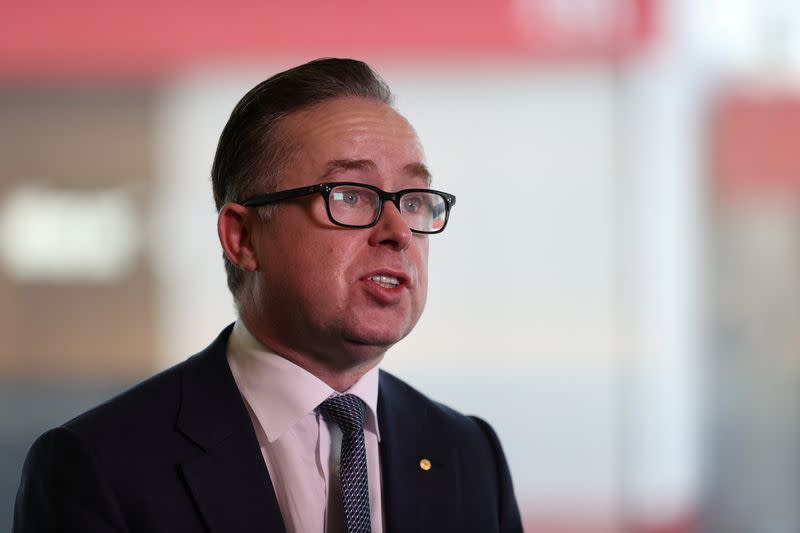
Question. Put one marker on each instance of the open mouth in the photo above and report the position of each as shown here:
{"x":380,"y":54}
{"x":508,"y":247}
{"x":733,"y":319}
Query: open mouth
{"x":387,"y":282}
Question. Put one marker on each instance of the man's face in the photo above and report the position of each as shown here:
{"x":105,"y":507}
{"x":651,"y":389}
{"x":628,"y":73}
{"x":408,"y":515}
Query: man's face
{"x":319,"y":289}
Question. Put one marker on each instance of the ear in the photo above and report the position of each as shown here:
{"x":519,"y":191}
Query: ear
{"x":235,"y":229}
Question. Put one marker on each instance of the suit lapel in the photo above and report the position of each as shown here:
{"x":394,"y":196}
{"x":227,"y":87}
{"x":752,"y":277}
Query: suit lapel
{"x":229,"y":481}
{"x":415,"y":499}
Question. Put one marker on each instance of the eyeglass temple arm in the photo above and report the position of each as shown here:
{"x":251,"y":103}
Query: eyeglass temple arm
{"x":273,"y":197}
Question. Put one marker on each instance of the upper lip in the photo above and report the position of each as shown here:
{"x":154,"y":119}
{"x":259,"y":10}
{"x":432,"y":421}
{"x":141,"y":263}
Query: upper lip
{"x":401,"y":276}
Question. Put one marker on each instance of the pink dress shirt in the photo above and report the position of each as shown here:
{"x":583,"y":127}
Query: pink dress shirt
{"x":299,"y":447}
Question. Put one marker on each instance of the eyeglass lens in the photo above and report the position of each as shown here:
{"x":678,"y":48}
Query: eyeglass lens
{"x":358,"y":206}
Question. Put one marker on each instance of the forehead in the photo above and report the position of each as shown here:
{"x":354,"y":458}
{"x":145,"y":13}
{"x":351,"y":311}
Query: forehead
{"x":352,"y":128}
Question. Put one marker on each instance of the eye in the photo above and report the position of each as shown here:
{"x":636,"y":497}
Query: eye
{"x":413,"y":204}
{"x":350,"y":197}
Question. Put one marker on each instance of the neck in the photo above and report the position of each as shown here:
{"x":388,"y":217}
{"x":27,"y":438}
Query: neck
{"x":338,"y":380}
{"x":339,"y":370}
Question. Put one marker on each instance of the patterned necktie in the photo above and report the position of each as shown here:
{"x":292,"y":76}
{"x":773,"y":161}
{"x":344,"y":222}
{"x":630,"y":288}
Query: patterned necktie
{"x":347,"y":411}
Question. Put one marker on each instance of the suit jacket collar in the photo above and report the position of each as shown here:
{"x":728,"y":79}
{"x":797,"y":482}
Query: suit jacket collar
{"x":229,"y":482}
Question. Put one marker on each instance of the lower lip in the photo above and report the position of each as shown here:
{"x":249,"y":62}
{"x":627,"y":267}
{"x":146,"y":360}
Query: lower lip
{"x":382,"y":294}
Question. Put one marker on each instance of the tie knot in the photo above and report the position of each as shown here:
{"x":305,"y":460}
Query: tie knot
{"x":347,"y":410}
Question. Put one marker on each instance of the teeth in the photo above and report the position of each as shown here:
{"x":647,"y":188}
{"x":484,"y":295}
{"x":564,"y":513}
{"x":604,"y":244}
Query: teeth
{"x":386,"y":282}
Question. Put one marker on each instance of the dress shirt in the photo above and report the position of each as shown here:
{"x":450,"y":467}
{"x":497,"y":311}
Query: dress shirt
{"x":299,"y":446}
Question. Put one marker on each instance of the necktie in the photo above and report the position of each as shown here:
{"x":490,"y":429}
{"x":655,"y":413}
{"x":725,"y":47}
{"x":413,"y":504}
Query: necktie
{"x":347,"y":411}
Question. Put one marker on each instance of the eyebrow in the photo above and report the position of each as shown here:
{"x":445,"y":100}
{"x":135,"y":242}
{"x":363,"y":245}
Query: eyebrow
{"x":419,"y":170}
{"x":347,"y":164}
{"x":414,"y":169}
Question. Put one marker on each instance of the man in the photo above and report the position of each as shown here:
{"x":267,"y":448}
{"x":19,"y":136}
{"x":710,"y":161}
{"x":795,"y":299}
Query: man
{"x":285,"y":423}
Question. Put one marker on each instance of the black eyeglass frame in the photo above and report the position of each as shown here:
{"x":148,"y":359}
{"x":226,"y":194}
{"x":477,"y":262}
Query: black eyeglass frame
{"x":325,"y":190}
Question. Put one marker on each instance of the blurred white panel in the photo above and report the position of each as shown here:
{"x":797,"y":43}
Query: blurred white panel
{"x":66,"y":236}
{"x":748,"y":36}
{"x":521,"y":320}
{"x":588,"y":18}
{"x":525,"y":268}
{"x":663,"y":208}
{"x":187,"y":258}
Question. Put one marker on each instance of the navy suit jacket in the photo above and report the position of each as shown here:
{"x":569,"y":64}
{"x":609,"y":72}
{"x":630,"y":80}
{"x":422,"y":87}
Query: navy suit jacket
{"x":178,"y":453}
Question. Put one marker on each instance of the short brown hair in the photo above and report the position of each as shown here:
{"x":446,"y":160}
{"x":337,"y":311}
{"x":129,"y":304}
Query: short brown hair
{"x":251,"y":152}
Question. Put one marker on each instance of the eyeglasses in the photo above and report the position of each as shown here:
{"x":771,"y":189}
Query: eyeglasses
{"x":358,"y":205}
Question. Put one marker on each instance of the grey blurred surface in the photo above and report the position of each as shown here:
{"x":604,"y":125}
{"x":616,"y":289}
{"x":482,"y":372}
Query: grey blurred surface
{"x":27,"y":409}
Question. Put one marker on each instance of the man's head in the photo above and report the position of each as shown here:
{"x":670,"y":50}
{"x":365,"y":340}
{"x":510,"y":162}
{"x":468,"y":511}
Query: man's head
{"x":330,"y":298}
{"x":252,"y":149}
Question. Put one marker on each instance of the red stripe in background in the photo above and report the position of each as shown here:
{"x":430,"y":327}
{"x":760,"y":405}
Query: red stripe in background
{"x":754,"y":149}
{"x":146,"y":38}
{"x":688,"y":522}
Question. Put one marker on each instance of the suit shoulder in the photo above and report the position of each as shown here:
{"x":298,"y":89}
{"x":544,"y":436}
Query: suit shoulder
{"x":146,"y":403}
{"x":406,"y":398}
{"x":153,"y":402}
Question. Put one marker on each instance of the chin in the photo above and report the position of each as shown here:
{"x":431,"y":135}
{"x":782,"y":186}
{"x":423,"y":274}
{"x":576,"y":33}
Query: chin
{"x":377,"y":333}
{"x":379,"y":340}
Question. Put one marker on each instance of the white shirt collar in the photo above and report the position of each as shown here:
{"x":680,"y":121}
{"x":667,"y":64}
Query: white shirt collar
{"x":280,"y":393}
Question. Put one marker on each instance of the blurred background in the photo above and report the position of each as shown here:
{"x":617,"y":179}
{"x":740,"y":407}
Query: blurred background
{"x":618,"y":290}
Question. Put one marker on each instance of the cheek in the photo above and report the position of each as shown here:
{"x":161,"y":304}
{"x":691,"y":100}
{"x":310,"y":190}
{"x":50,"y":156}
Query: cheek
{"x":326,"y":262}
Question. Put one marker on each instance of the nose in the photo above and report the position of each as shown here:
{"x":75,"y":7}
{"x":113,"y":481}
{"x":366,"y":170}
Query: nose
{"x":391,"y":229}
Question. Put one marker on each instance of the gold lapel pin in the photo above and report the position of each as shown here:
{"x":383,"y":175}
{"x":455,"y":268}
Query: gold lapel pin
{"x":425,"y":464}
